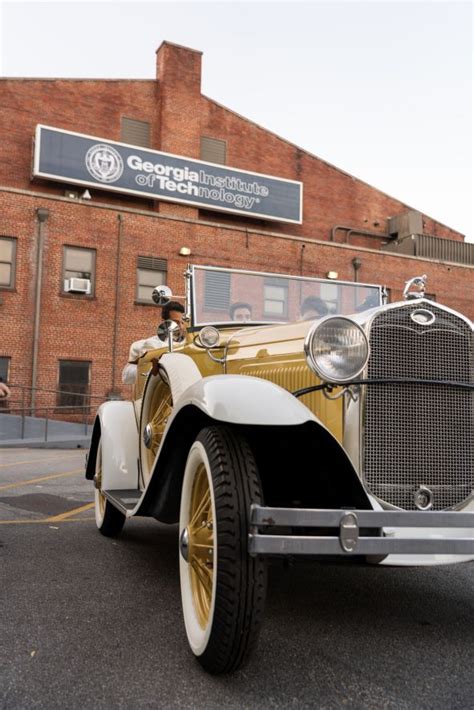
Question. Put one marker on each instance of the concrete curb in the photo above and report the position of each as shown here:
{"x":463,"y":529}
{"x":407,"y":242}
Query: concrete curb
{"x":56,"y":442}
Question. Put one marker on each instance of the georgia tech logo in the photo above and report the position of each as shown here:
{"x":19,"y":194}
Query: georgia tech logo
{"x":104,"y":163}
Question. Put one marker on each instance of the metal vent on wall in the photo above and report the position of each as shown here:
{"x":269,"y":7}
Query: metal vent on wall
{"x":213,"y":150}
{"x":430,"y":247}
{"x":135,"y":132}
{"x":151,"y":262}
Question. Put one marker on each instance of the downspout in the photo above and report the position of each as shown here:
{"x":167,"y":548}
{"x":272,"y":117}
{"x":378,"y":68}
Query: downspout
{"x":113,"y":393}
{"x":42,"y":215}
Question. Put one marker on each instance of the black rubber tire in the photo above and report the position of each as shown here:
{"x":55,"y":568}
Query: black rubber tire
{"x":240,"y":580}
{"x":109,"y":519}
{"x":113,"y":521}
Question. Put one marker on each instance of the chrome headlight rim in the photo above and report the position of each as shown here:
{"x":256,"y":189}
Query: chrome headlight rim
{"x":311,"y":360}
{"x":209,"y":337}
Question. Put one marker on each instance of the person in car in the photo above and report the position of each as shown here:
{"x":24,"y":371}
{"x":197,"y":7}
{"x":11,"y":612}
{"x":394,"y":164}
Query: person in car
{"x":313,"y":307}
{"x":241,"y":311}
{"x":171,"y":311}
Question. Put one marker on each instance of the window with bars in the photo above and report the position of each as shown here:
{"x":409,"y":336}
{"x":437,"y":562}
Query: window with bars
{"x":7,"y":262}
{"x":135,"y":132}
{"x":74,"y":384}
{"x":216,"y":291}
{"x":275,"y":294}
{"x":79,"y":263}
{"x":151,"y":272}
{"x":213,"y":150}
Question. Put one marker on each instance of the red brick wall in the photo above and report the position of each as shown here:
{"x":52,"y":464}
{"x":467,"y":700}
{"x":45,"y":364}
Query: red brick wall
{"x":74,"y":327}
{"x":179,"y":115}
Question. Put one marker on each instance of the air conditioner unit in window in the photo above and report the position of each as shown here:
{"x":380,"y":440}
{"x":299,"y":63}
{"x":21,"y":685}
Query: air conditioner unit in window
{"x":77,"y":286}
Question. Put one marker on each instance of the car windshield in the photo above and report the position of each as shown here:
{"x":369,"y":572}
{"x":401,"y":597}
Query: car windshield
{"x":223,"y":296}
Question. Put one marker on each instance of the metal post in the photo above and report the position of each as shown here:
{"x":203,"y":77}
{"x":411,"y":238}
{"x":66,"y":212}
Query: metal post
{"x":46,"y":428}
{"x":23,"y":413}
{"x":117,"y":299}
{"x":42,"y":215}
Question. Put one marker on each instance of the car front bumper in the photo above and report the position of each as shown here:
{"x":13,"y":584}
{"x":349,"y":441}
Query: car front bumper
{"x":347,"y":525}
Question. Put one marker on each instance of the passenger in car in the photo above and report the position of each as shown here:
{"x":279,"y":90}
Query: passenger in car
{"x":171,"y":311}
{"x":313,"y":307}
{"x":241,"y":311}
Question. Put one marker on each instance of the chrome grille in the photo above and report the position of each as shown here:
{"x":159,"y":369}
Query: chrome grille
{"x":419,"y":435}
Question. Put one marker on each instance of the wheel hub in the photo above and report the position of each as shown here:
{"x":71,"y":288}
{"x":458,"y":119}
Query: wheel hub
{"x":184,"y":544}
{"x":148,"y":436}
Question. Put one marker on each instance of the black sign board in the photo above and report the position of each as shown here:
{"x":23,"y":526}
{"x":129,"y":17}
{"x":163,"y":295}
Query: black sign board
{"x":95,"y":162}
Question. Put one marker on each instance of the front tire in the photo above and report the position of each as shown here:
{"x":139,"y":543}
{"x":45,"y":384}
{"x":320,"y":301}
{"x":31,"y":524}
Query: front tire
{"x":109,"y":520}
{"x":222,"y":587}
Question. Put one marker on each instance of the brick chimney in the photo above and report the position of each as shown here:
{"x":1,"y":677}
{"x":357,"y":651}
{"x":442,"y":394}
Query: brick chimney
{"x":178,"y":70}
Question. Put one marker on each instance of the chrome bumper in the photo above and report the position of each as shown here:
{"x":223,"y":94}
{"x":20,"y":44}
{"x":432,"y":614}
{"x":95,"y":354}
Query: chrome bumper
{"x":347,"y":540}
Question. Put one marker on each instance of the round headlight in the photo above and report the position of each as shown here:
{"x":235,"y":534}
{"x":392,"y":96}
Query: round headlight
{"x":336,"y":349}
{"x":209,"y":336}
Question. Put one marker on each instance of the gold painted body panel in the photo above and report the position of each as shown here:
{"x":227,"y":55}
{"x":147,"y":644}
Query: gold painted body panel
{"x":274,"y":353}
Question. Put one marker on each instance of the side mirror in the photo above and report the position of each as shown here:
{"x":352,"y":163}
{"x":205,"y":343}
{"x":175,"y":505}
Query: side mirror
{"x":161,"y":295}
{"x":167,"y":328}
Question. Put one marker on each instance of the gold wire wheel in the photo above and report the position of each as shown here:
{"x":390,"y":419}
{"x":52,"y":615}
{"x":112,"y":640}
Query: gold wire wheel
{"x":159,"y":410}
{"x":109,"y":520}
{"x":99,"y":496}
{"x":201,"y":545}
{"x":101,"y":503}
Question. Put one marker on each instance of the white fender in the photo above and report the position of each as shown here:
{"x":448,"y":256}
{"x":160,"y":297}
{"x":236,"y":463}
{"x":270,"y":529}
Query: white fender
{"x":119,"y":445}
{"x":240,"y":399}
{"x":181,"y":371}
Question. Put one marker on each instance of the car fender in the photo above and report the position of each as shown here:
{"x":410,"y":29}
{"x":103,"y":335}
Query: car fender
{"x":115,"y":426}
{"x":252,"y":404}
{"x":241,"y":399}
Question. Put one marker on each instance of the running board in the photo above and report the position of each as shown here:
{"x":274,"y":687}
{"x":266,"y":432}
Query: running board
{"x":125,"y":500}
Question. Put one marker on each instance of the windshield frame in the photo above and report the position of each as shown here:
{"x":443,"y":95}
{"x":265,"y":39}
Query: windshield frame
{"x":192,"y":299}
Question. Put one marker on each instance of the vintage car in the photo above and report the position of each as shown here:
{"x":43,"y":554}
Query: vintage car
{"x":347,"y":436}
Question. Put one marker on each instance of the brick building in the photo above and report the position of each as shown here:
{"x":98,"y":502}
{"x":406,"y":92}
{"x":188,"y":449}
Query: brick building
{"x":53,"y":230}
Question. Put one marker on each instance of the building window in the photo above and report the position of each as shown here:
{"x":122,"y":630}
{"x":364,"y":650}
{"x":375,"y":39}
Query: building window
{"x":79,"y":270}
{"x":135,"y":132}
{"x":216,"y":291}
{"x":7,"y":262}
{"x":74,"y":384}
{"x":213,"y":150}
{"x":4,"y":369}
{"x":151,"y":272}
{"x":4,"y":377}
{"x":275,"y":293}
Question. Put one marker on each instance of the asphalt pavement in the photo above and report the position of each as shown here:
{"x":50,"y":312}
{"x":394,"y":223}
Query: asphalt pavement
{"x":93,"y":622}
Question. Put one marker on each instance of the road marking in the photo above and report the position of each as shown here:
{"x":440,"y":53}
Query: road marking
{"x":64,"y":516}
{"x":43,"y":520}
{"x":49,"y":458}
{"x":43,"y":478}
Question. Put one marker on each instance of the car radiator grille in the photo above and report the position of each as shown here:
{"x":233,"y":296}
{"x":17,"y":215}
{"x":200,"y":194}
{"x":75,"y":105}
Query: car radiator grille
{"x":419,"y":435}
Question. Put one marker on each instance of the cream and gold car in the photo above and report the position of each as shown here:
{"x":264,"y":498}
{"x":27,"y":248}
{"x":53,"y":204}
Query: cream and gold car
{"x":297,"y":418}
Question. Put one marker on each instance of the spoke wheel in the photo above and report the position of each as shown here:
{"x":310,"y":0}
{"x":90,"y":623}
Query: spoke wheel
{"x":222,"y":587}
{"x":201,"y":546}
{"x":109,"y":520}
{"x":156,"y":410}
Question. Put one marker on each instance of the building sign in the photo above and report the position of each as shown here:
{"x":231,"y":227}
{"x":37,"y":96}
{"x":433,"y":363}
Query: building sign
{"x":94,"y":162}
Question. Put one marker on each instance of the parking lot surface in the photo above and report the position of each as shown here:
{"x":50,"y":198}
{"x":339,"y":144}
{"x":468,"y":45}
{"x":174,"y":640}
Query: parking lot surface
{"x":93,"y":622}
